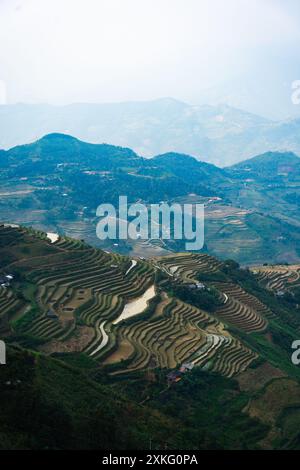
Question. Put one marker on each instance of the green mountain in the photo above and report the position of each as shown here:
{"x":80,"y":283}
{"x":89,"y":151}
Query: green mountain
{"x":184,"y":350}
{"x":270,"y":184}
{"x":273,"y":166}
{"x":57,"y":183}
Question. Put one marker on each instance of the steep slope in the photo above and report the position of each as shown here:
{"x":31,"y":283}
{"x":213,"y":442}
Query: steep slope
{"x":269,"y":166}
{"x":69,"y":297}
{"x":132,"y":377}
{"x":269,"y":183}
{"x":188,"y":168}
{"x":54,"y":149}
{"x":72,"y":297}
{"x":74,"y":409}
{"x":52,"y":405}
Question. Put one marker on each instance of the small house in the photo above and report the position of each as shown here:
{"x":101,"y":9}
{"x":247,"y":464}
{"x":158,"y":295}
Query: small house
{"x":200,"y":285}
{"x":186,"y":366}
{"x":5,"y":280}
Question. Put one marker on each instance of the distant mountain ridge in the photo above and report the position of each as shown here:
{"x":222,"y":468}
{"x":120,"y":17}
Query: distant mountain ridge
{"x":269,"y":157}
{"x":218,"y":134}
{"x":269,"y":165}
{"x":175,"y":174}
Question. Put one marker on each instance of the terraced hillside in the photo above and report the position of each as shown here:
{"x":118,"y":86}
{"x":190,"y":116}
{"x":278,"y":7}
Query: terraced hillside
{"x":66,"y":296}
{"x":181,"y":333}
{"x":68,"y":284}
{"x":238,"y":307}
{"x":278,"y":277}
{"x":140,"y":327}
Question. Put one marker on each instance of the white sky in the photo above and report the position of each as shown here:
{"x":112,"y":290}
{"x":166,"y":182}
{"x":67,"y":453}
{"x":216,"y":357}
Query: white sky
{"x":62,"y":51}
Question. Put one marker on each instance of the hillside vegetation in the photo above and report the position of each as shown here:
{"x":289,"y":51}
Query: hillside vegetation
{"x":152,"y":332}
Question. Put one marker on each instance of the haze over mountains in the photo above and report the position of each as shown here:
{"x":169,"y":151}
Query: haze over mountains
{"x":218,"y":134}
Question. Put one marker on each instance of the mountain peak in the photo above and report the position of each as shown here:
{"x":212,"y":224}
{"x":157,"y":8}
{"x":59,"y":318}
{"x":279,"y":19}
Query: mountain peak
{"x":267,"y":158}
{"x":174,"y":156}
{"x":57,"y":136}
{"x":269,"y":166}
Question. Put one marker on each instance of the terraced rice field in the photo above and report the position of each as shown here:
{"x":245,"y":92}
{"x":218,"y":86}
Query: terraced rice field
{"x":242,"y":309}
{"x":278,"y":278}
{"x":73,"y":285}
{"x":76,"y":284}
{"x":187,"y":265}
{"x":239,"y":308}
{"x":179,"y":335}
{"x":10,"y":308}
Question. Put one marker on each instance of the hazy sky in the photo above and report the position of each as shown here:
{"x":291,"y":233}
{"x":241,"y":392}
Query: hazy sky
{"x":244,"y":52}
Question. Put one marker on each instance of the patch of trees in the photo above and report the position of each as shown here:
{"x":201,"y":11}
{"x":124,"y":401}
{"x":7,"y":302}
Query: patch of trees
{"x":204,"y":299}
